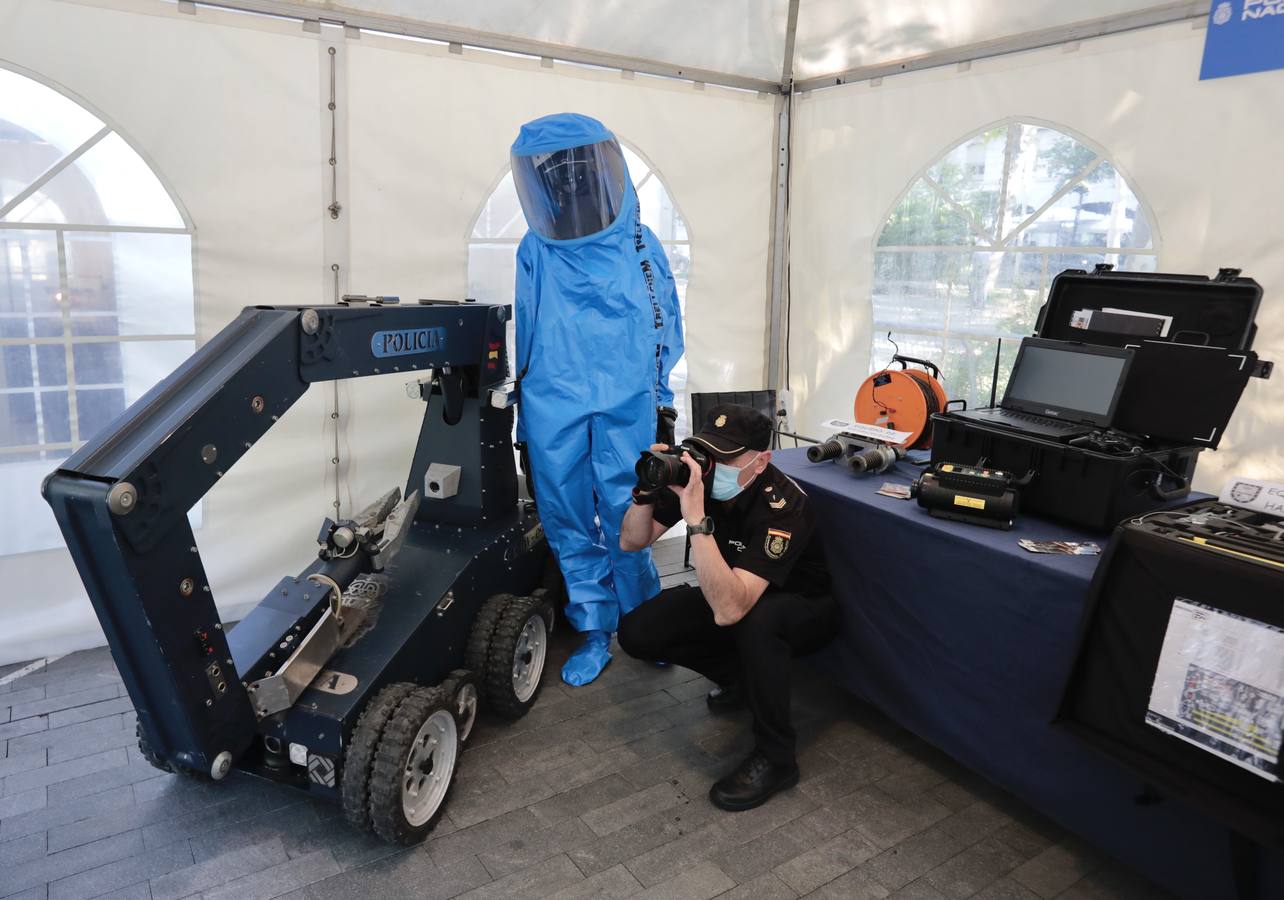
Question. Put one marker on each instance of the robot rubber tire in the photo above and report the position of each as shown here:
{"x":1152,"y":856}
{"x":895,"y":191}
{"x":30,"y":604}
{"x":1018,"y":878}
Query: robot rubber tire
{"x":507,"y":649}
{"x":147,"y":753}
{"x":462,"y":686}
{"x":358,"y":762}
{"x":414,"y":766}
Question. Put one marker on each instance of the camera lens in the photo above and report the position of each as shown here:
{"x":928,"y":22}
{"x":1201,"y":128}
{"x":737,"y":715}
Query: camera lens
{"x":656,"y":470}
{"x":875,"y":459}
{"x":831,"y":449}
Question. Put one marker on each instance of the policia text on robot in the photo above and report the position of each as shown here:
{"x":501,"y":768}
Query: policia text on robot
{"x":764,"y":591}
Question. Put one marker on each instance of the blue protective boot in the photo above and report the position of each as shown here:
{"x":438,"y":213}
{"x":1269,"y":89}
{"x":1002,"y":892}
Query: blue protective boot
{"x":588,"y":661}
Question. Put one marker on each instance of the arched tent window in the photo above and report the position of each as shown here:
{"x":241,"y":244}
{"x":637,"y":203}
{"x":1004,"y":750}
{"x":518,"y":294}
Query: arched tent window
{"x":499,"y":226}
{"x":970,"y":249}
{"x":96,"y":300}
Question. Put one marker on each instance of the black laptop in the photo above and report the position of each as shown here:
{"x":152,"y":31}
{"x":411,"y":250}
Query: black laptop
{"x":1059,"y":390}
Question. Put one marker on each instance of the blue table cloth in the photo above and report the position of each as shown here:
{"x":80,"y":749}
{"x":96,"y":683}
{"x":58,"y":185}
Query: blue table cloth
{"x":965,"y":639}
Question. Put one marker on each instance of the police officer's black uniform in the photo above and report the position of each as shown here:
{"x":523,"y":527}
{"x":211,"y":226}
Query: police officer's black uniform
{"x":769,"y":530}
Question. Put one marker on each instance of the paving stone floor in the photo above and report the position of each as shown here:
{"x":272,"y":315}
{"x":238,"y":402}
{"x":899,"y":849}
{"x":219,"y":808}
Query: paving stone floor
{"x":600,"y":792}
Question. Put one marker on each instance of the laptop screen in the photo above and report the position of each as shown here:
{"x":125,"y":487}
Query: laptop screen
{"x":1074,"y":383}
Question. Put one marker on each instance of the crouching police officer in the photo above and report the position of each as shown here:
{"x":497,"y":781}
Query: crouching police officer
{"x":763,"y":594}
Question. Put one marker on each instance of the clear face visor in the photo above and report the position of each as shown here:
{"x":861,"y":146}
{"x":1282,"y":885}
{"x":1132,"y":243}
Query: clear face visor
{"x":571,"y":193}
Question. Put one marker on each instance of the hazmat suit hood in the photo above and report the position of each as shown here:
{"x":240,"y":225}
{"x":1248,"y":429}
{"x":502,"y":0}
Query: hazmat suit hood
{"x":572,"y":179}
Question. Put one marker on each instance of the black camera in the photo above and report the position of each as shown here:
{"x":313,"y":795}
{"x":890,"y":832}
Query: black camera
{"x":658,"y":468}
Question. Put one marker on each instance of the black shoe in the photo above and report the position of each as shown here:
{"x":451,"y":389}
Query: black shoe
{"x":725,"y":699}
{"x":752,"y":783}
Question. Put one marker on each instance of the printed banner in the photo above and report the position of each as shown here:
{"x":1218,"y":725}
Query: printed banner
{"x":1243,"y":36}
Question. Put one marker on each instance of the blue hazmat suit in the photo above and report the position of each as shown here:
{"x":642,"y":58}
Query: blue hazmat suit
{"x":598,"y":332}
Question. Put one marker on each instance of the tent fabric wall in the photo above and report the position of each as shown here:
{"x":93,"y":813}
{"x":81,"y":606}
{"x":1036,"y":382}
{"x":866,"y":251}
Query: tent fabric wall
{"x":427,"y":156}
{"x":230,"y":111}
{"x":1202,"y":155}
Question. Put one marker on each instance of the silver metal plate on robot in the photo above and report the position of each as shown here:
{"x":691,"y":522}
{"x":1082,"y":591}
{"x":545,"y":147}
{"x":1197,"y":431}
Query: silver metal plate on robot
{"x":333,"y":682}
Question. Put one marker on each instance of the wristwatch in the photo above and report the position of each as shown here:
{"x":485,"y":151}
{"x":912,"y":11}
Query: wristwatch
{"x":705,"y":527}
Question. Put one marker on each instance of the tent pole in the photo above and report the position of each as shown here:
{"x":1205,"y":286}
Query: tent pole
{"x":776,"y":380}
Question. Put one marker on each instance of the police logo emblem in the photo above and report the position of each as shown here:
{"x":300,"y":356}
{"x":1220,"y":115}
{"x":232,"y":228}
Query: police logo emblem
{"x":720,"y":421}
{"x":1222,"y":14}
{"x":1245,"y":493}
{"x":777,"y":543}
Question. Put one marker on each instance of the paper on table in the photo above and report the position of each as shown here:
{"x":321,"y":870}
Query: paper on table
{"x":873,"y":432}
{"x":1220,"y":685}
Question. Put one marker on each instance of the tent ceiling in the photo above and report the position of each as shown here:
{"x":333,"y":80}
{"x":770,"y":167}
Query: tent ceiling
{"x":746,"y":38}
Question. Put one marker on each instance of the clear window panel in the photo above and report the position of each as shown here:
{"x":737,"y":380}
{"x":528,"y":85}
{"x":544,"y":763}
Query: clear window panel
{"x":96,"y":408}
{"x":97,"y":363}
{"x":967,"y":368}
{"x":637,"y":168}
{"x":51,"y":364}
{"x":109,"y":185}
{"x":37,"y":124}
{"x":920,"y":346}
{"x":501,"y":217}
{"x":55,"y":417}
{"x":28,"y":273}
{"x":972,"y":176}
{"x":16,"y":370}
{"x":1003,"y":297}
{"x":144,"y":280}
{"x":679,"y":256}
{"x":18,"y":423}
{"x":924,"y":219}
{"x":144,"y":363}
{"x":918,"y":288}
{"x":1059,"y":262}
{"x":47,"y":326}
{"x":101,"y":325}
{"x":1043,"y":162}
{"x":492,"y":272}
{"x":659,"y":213}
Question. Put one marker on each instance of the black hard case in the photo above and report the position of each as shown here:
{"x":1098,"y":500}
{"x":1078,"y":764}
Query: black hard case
{"x":1182,"y":387}
{"x":1076,"y":485}
{"x":1120,"y":639}
{"x":1181,"y":391}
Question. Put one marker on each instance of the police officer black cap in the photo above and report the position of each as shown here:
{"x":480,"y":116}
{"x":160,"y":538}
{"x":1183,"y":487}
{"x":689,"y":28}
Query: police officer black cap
{"x":731,"y":429}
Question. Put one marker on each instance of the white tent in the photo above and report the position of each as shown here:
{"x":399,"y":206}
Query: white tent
{"x":788,"y":135}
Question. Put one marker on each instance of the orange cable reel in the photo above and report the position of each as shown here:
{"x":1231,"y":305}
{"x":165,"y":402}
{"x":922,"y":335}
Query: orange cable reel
{"x":902,"y":399}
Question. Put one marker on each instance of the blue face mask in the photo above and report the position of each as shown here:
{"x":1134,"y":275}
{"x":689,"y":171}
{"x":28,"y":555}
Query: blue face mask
{"x":726,"y":480}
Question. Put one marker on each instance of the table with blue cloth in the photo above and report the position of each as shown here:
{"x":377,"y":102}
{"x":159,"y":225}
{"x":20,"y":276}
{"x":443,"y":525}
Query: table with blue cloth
{"x":962,"y":637}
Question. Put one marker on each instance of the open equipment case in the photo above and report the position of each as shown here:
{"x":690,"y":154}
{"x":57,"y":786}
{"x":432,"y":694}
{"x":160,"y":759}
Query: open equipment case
{"x":1191,"y":338}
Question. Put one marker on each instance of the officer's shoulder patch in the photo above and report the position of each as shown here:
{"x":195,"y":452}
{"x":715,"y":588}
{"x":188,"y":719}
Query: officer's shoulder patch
{"x":777,"y":504}
{"x":777,"y":543}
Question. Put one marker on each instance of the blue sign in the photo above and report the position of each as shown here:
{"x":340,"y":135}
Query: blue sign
{"x":407,"y":341}
{"x":1243,"y":36}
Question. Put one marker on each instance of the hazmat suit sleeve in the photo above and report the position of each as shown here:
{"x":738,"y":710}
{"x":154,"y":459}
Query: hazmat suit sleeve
{"x":524,"y":305}
{"x":672,"y":344}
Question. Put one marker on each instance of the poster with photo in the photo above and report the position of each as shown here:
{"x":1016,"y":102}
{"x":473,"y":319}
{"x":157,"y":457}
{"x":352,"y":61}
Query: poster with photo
{"x":1220,"y":686}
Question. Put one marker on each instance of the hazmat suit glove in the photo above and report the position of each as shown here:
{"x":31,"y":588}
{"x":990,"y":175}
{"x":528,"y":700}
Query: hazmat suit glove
{"x":666,"y":421}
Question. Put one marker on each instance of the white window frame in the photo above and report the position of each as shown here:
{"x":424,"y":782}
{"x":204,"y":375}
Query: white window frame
{"x":60,"y":231}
